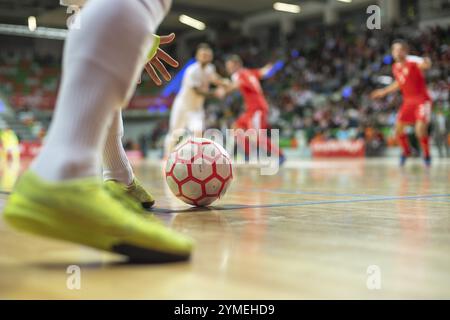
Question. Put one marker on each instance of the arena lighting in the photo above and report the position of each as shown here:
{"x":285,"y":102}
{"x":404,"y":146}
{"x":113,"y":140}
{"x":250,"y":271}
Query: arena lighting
{"x":194,"y":23}
{"x":286,"y":7}
{"x":346,"y":1}
{"x":39,"y":32}
{"x":32,"y":23}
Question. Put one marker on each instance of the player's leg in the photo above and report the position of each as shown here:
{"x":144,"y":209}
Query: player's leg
{"x":61,"y":196}
{"x":177,"y":127}
{"x":98,"y":78}
{"x":116,"y":165}
{"x":403,"y":141}
{"x":117,"y":168}
{"x":241,"y":124}
{"x":196,"y":123}
{"x":421,"y":130}
{"x":260,"y":121}
{"x":405,"y":116}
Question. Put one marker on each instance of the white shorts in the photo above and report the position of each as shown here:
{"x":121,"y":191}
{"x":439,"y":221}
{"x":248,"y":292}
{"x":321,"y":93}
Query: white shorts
{"x":182,"y":118}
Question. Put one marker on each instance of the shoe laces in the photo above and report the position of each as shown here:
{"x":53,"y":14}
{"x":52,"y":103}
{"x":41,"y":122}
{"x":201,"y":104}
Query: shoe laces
{"x":119,"y":193}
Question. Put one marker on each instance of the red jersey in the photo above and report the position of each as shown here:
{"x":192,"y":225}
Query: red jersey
{"x":250,"y":87}
{"x":411,"y":81}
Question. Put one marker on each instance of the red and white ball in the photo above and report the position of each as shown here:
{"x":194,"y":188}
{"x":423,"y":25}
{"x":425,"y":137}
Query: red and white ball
{"x":199,"y":171}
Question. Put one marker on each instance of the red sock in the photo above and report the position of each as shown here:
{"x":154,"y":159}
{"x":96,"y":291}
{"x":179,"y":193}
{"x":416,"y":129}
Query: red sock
{"x":425,"y":145}
{"x":404,"y":144}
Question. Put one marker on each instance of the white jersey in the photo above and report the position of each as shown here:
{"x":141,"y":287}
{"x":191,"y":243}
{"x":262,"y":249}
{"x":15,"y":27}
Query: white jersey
{"x":194,"y":77}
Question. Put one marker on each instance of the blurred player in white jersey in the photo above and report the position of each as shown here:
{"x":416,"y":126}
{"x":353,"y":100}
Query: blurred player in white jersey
{"x":187,"y":111}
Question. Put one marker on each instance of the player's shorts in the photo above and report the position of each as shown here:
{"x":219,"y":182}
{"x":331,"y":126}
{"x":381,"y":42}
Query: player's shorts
{"x":182,"y":118}
{"x":252,"y":119}
{"x":412,"y":112}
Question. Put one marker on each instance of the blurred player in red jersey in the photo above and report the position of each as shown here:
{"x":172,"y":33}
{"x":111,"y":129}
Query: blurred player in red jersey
{"x":247,"y":81}
{"x":416,"y":107}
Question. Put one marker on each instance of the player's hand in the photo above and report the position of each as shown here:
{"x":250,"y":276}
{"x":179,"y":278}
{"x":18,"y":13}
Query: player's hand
{"x":377,"y":94}
{"x":157,"y":62}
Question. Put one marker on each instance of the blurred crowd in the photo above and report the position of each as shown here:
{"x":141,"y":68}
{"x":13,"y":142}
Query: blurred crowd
{"x":323,"y":90}
{"x":321,"y":93}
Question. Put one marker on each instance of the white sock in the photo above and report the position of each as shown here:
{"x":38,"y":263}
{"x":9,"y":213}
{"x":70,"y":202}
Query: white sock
{"x":115,"y":162}
{"x":102,"y":63}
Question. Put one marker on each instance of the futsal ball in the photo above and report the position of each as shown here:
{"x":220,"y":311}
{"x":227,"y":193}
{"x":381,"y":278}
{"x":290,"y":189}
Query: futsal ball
{"x":199,"y":171}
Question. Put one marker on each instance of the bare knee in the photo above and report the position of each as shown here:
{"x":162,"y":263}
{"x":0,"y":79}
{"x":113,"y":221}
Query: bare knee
{"x":421,"y":129}
{"x":399,"y":129}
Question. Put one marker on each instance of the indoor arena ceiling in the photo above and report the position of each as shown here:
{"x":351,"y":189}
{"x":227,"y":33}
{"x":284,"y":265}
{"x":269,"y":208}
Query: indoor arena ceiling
{"x":50,"y":13}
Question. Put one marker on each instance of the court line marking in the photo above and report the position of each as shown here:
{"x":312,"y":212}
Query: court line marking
{"x":301,"y":204}
{"x":438,"y":200}
{"x":306,"y":203}
{"x":317,"y":193}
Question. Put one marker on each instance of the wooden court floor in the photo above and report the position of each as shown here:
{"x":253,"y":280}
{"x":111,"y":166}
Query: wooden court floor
{"x":336,"y":230}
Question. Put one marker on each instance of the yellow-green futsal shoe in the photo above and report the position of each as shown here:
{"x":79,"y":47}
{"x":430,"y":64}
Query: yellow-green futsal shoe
{"x":84,"y":212}
{"x":134,"y":190}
